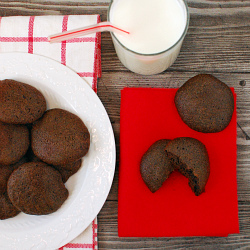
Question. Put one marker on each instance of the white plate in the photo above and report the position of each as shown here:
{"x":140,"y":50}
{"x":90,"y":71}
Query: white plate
{"x":89,"y":187}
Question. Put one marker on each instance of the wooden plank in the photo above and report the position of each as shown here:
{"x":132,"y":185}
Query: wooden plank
{"x":108,"y":234}
{"x":38,"y":7}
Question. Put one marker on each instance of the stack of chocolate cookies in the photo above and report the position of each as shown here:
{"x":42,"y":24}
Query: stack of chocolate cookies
{"x":39,"y":150}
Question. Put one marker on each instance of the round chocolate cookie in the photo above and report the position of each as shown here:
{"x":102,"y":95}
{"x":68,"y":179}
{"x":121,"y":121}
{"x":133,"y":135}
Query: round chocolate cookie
{"x":7,"y":210}
{"x":14,"y":143}
{"x":155,"y":166}
{"x":59,"y":137}
{"x":5,"y":172}
{"x":36,"y":188}
{"x":20,"y":103}
{"x":190,"y":157}
{"x":68,"y":170}
{"x":205,"y":103}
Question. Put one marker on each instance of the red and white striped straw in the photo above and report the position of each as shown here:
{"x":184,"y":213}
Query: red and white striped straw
{"x":100,"y":27}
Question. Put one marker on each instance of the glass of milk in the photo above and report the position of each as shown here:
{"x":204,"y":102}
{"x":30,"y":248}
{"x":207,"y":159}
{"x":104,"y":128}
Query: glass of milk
{"x":157,"y":29}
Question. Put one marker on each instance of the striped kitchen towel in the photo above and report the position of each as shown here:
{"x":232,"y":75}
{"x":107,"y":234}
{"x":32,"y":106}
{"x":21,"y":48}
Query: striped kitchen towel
{"x":83,"y":55}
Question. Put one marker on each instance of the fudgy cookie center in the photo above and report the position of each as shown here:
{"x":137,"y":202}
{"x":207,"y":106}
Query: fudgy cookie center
{"x":184,"y":170}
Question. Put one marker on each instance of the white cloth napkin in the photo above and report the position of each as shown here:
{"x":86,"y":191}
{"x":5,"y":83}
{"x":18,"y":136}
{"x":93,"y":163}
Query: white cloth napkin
{"x":83,"y":55}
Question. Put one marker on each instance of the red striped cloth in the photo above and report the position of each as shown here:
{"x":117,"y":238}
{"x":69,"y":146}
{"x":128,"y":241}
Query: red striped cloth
{"x":86,"y":240}
{"x":83,"y":55}
{"x":30,"y":34}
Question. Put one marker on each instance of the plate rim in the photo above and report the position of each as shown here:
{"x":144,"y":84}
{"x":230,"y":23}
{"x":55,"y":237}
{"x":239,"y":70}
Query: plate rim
{"x":24,"y":56}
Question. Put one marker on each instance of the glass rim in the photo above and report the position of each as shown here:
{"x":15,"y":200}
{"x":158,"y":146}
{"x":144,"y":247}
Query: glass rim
{"x":161,"y":52}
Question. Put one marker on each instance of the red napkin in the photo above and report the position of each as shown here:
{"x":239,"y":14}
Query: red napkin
{"x":148,"y":115}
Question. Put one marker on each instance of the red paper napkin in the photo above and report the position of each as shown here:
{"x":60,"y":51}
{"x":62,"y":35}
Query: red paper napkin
{"x":148,"y":115}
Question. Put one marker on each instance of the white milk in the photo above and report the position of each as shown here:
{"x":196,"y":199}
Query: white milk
{"x":157,"y":29}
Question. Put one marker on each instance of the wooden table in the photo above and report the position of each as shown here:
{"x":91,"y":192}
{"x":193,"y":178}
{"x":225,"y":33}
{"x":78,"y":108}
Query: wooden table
{"x":217,"y":42}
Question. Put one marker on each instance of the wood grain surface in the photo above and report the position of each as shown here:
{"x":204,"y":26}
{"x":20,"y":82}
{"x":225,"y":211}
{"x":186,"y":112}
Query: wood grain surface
{"x":217,"y":42}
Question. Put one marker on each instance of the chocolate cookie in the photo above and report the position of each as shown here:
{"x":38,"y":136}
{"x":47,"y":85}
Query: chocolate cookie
{"x":205,"y":103}
{"x":155,"y":166}
{"x":5,"y":172}
{"x":59,"y":137}
{"x":7,"y":210}
{"x":20,"y":103}
{"x":14,"y":143}
{"x":36,"y":188}
{"x":190,"y":157}
{"x":68,"y":170}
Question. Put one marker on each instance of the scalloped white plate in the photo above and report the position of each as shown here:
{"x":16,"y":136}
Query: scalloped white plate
{"x":89,"y":187}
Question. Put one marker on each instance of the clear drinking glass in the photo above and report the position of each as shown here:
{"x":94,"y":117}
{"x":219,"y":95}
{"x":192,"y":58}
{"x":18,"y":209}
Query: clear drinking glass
{"x":149,"y":64}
